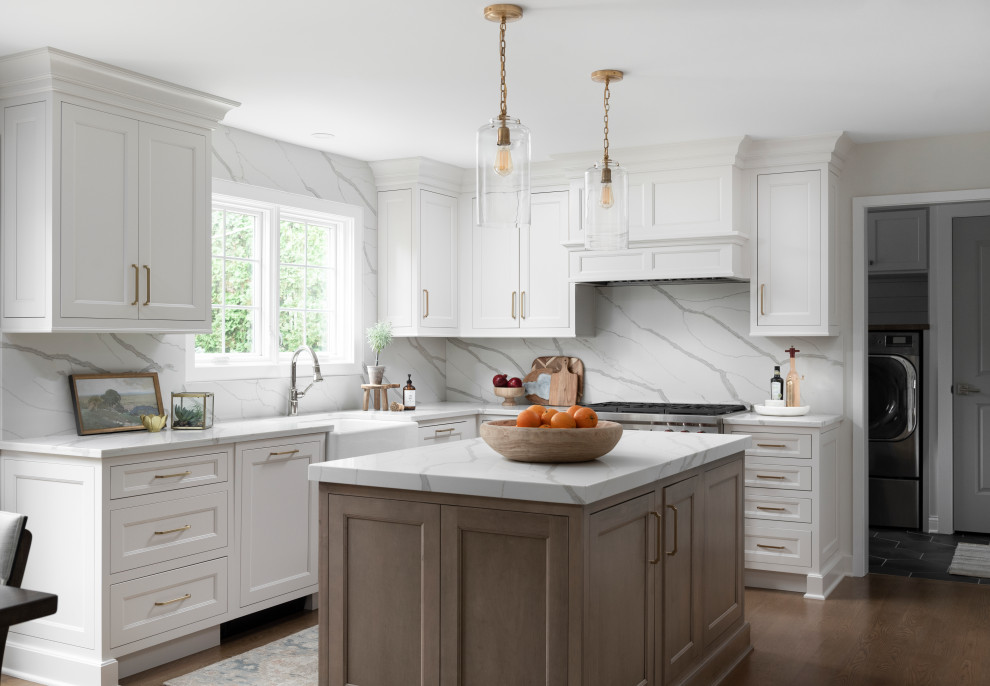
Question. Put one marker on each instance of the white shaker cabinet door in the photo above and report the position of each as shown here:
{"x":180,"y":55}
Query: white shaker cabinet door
{"x":545,"y":290}
{"x":438,"y":259}
{"x":99,"y":212}
{"x":174,"y":223}
{"x":495,"y":278}
{"x":789,"y":250}
{"x":278,"y":518}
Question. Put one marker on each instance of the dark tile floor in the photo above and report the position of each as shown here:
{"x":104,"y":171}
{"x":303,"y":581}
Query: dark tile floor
{"x":919,"y":555}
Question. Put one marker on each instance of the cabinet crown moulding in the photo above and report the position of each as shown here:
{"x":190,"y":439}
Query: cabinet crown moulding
{"x":827,"y":148}
{"x":401,"y":173}
{"x":46,"y":69}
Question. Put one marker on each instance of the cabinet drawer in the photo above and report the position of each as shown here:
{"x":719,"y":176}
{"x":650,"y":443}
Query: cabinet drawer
{"x":778,"y":476}
{"x":459,"y":430}
{"x":780,"y":445}
{"x":778,"y":546}
{"x":779,"y":509}
{"x":166,"y":475}
{"x":161,"y":602}
{"x":164,"y":531}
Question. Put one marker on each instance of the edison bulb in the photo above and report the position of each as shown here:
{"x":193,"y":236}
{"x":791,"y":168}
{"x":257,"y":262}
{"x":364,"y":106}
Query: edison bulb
{"x":607,"y":199}
{"x":503,"y":160}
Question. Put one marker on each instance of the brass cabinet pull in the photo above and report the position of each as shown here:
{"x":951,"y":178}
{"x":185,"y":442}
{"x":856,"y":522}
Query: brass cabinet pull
{"x":767,"y":476}
{"x":437,"y":432}
{"x":173,"y":600}
{"x":771,"y":547}
{"x":147,"y":294}
{"x":762,"y":287}
{"x":522,"y":304}
{"x":770,"y":445}
{"x":284,"y":452}
{"x":137,"y":284}
{"x":659,"y":537}
{"x":427,"y":312}
{"x":771,"y":509}
{"x":170,"y":476}
{"x":674,"y":551}
{"x":513,"y":304}
{"x":172,"y":531}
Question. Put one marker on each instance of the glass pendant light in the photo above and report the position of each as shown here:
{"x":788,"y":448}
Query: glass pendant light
{"x":503,"y":151}
{"x":606,"y":190}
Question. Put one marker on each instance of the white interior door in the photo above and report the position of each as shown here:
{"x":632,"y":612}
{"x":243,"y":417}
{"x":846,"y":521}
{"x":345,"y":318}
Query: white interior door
{"x":99,"y":222}
{"x":545,"y":291}
{"x":971,"y":372}
{"x":438,"y":259}
{"x":174,"y":239}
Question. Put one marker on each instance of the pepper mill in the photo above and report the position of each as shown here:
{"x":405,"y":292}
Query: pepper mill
{"x":792,"y":384}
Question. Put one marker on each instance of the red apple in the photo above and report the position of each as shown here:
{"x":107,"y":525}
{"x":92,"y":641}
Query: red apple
{"x":499,"y":381}
{"x":515,"y":382}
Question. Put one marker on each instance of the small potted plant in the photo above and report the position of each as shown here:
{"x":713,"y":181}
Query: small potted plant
{"x":379,"y":336}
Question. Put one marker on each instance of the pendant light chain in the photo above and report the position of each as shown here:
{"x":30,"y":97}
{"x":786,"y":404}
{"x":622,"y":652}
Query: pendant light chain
{"x":501,"y":50}
{"x":607,"y":94}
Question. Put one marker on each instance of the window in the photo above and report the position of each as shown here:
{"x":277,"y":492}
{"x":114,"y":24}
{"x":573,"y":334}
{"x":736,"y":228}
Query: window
{"x":284,"y":274}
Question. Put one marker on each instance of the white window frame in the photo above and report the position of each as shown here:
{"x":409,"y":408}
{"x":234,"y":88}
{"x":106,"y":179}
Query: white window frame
{"x":270,"y":363}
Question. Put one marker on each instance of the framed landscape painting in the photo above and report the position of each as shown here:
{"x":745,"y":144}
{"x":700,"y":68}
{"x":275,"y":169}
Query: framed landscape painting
{"x":105,"y":403}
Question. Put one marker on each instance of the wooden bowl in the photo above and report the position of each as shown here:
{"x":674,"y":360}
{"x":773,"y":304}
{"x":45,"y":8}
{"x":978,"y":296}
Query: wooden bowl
{"x":510,"y":394}
{"x":525,"y":444}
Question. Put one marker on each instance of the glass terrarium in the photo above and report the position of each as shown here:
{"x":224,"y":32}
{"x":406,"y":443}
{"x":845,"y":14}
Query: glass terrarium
{"x":192,"y":410}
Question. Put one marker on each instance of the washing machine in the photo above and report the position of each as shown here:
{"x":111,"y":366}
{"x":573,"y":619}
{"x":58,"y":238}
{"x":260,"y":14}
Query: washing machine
{"x":894,"y":428}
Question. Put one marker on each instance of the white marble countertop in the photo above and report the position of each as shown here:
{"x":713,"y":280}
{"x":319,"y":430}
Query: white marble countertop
{"x":132,"y":442}
{"x":808,"y":421}
{"x":472,"y":468}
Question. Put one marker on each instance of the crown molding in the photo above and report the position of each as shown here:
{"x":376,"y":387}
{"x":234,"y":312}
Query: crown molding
{"x":828,"y":148}
{"x":46,"y":70}
{"x":402,"y":173}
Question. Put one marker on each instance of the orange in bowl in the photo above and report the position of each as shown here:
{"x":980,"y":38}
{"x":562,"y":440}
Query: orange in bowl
{"x":528,"y":418}
{"x":548,"y":415}
{"x":562,"y":420}
{"x":572,"y":409}
{"x":585,"y":418}
{"x":538,"y":409}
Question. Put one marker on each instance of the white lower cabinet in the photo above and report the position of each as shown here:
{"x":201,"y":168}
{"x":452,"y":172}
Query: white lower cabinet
{"x":791,"y":508}
{"x":447,"y":430}
{"x":277,"y":518}
{"x":150,"y":552}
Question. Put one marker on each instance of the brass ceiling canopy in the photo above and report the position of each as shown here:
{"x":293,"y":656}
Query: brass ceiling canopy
{"x":603,"y":75}
{"x":503,"y":13}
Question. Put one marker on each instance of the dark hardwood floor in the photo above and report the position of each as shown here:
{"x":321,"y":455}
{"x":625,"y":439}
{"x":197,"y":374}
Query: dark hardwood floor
{"x":877,"y":630}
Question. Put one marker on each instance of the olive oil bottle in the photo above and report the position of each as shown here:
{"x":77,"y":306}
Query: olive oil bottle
{"x":776,"y":385}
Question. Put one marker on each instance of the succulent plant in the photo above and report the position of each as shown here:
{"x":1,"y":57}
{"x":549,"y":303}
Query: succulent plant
{"x":187,"y":416}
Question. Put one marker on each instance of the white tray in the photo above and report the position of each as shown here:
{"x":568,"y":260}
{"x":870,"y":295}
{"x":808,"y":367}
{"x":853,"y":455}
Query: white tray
{"x":782,"y":411}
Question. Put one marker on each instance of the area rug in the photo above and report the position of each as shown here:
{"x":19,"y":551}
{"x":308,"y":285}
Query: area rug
{"x":971,"y":559}
{"x":291,"y":661}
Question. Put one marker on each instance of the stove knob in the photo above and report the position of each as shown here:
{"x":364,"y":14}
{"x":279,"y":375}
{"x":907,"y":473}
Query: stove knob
{"x":700,"y":431}
{"x":668,"y":431}
{"x":685,"y":431}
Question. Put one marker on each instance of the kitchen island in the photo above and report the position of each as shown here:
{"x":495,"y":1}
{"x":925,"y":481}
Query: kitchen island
{"x":452,"y":565}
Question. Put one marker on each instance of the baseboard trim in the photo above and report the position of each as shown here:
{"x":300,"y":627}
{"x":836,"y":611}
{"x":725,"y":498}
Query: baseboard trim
{"x":156,"y":655}
{"x":734,"y":648}
{"x":35,"y":664}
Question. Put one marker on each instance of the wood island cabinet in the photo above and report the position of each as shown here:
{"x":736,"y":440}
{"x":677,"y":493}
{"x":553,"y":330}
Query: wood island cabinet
{"x":643,"y":588}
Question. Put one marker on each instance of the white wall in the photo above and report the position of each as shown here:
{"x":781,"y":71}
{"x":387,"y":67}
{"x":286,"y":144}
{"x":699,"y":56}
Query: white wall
{"x":35,"y":389}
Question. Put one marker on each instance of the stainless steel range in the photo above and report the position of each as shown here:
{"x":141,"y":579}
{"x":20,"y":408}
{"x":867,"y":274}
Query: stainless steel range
{"x":682,"y":417}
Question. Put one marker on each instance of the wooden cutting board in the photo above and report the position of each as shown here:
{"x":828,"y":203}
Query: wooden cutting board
{"x":563,"y":388}
{"x":554,"y":363}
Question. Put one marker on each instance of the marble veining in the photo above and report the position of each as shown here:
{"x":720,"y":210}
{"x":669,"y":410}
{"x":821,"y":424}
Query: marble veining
{"x":472,"y":468}
{"x":662,"y":343}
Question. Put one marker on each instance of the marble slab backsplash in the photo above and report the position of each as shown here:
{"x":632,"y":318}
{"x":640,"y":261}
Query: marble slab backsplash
{"x":662,"y":343}
{"x":34,"y":368}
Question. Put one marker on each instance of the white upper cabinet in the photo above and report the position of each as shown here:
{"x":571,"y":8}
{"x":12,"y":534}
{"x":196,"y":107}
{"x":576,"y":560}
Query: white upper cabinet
{"x":518,"y":281}
{"x":792,"y":291}
{"x":897,"y":241}
{"x":417,"y":261}
{"x":105,"y":192}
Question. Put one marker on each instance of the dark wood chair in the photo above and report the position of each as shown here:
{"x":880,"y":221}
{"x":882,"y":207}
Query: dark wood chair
{"x":17,"y":605}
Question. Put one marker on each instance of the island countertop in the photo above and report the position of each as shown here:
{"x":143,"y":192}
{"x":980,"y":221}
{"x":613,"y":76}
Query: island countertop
{"x":471,"y":467}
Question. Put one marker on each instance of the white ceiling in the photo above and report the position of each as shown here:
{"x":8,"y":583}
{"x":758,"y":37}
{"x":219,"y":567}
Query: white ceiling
{"x":397,"y":79}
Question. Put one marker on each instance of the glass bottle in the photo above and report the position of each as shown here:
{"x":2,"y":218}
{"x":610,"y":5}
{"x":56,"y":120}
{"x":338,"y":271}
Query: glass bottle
{"x":409,"y":395}
{"x":776,"y":384}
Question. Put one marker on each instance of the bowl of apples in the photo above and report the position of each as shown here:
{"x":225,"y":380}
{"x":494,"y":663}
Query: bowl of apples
{"x":508,"y":389}
{"x":540,"y":434}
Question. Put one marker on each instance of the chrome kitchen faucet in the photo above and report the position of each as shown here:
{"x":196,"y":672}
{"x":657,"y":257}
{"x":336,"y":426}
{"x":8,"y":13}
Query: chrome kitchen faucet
{"x":295,"y":393}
